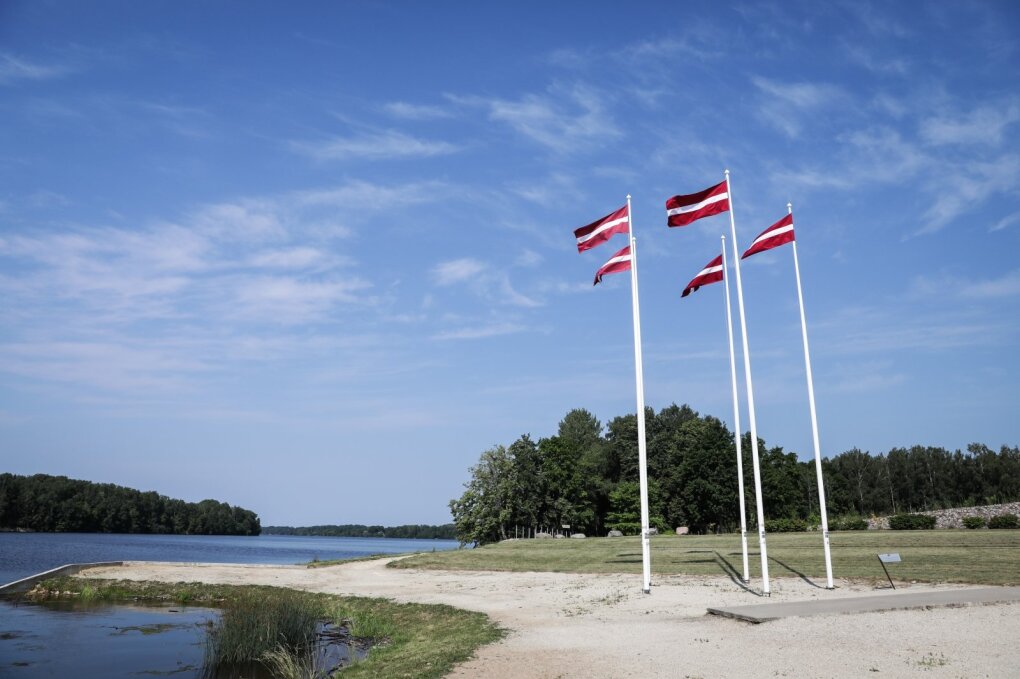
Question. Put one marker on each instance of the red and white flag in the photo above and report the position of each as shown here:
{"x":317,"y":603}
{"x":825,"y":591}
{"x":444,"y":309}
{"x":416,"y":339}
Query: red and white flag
{"x":617,"y":263}
{"x":778,"y":234}
{"x":602,"y":230}
{"x":712,"y":273}
{"x":682,"y":210}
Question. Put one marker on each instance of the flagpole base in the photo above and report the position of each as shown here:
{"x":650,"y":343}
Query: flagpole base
{"x":647,"y":591}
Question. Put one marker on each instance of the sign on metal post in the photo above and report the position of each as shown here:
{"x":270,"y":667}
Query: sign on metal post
{"x":889,"y":558}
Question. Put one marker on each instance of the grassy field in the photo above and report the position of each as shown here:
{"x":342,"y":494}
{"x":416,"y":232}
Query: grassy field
{"x":990,"y":557}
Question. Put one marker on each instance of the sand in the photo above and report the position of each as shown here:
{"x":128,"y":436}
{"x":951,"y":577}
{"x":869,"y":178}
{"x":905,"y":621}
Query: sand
{"x":595,"y":626}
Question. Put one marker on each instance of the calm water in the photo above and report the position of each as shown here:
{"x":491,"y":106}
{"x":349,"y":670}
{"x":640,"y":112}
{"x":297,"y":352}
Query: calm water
{"x":101,"y":641}
{"x":104,"y":642}
{"x":24,"y":554}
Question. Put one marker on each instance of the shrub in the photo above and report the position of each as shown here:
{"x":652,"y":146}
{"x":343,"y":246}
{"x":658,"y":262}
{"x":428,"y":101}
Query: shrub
{"x":785,"y":525}
{"x":973,"y":522}
{"x":911,"y":522}
{"x":1004,"y":521}
{"x":849,"y":523}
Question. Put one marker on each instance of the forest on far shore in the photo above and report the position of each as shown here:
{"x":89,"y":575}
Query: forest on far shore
{"x":57,"y":504}
{"x":354,"y":530}
{"x":586,"y":477}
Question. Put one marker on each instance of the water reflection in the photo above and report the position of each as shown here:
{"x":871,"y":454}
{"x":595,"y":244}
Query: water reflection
{"x":103,"y":641}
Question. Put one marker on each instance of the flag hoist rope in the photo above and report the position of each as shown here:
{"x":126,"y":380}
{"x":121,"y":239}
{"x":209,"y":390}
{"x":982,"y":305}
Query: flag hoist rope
{"x":642,"y":449}
{"x":750,"y":399}
{"x":814,"y":418}
{"x":736,"y":417}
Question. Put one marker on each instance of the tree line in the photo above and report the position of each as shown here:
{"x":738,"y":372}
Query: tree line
{"x":58,"y":504}
{"x":354,"y":530}
{"x":586,"y":477}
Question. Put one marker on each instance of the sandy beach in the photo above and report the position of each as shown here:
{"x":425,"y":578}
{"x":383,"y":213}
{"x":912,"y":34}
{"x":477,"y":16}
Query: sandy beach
{"x":595,"y":626}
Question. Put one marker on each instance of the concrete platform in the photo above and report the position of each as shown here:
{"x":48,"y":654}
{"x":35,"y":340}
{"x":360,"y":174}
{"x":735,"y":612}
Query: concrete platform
{"x":758,"y":613}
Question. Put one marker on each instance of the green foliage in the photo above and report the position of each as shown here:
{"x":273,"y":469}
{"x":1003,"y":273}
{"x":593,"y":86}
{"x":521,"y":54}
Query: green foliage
{"x":785,"y":525}
{"x":59,"y":504}
{"x":412,"y":531}
{"x":1004,"y":521}
{"x":911,"y":522}
{"x":848,"y":523}
{"x":973,"y":522}
{"x":625,"y":508}
{"x":576,"y":478}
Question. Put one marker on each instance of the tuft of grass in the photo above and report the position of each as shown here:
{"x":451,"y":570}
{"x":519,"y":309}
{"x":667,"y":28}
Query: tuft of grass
{"x":255,"y":623}
{"x":285,"y":664}
{"x":966,"y":556}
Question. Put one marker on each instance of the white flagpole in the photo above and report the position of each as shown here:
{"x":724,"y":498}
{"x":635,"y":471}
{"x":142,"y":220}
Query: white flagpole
{"x":750,"y":400}
{"x":814,"y":418}
{"x":646,"y":558}
{"x":736,"y":416}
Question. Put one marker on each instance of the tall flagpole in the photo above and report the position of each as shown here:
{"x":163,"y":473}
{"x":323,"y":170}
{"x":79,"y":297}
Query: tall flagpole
{"x":814,"y":418}
{"x":736,"y":416}
{"x":750,"y":400}
{"x":646,"y":559}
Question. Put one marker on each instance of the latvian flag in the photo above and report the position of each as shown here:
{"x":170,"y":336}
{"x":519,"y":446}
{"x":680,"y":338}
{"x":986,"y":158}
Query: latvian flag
{"x":602,"y":230}
{"x":617,"y":263}
{"x":712,"y":273}
{"x":778,"y":234}
{"x":682,"y":210}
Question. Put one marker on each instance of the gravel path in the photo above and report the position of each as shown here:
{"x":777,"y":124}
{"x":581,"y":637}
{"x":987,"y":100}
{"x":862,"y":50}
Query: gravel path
{"x":603,"y":626}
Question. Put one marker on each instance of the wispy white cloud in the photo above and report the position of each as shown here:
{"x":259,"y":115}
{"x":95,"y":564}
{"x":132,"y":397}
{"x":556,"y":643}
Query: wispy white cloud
{"x":973,"y":288}
{"x":564,"y":120}
{"x":528,"y":259}
{"x":13,"y":69}
{"x":866,"y":57}
{"x":380,"y":145}
{"x":984,"y":125}
{"x":1007,"y":285}
{"x":1006,"y":222}
{"x":785,"y":104}
{"x":492,"y":285}
{"x":479,"y":332}
{"x":883,"y":330}
{"x":88,"y":299}
{"x":457,"y":270}
{"x":407,"y":111}
{"x":961,"y":187}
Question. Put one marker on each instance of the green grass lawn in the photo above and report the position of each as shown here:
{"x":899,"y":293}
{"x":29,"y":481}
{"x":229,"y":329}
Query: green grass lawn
{"x":990,"y":557}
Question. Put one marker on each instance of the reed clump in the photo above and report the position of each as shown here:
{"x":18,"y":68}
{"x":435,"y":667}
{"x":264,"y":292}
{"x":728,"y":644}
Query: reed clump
{"x":259,"y":622}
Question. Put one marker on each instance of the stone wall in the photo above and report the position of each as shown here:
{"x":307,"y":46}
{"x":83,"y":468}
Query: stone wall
{"x":953,"y":518}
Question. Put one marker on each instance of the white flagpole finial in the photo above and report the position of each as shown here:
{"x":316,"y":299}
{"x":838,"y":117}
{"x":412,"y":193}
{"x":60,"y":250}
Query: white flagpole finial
{"x":789,"y":208}
{"x":628,"y":196}
{"x":726,"y":172}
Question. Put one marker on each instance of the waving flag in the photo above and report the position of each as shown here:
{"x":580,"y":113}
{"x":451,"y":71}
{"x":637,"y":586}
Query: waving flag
{"x":682,"y":210}
{"x":712,"y":273}
{"x":602,"y":230}
{"x":778,"y":234}
{"x":617,"y":263}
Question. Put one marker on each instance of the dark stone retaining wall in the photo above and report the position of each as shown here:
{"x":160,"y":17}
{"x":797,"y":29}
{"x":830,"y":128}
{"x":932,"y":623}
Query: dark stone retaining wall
{"x":953,"y":518}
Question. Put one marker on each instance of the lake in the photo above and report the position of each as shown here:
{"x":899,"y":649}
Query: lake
{"x":24,"y":554}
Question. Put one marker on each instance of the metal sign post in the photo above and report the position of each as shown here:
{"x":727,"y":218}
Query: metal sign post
{"x":888,"y":558}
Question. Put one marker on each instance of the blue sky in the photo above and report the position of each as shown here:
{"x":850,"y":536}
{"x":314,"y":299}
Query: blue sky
{"x":313,"y":259}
